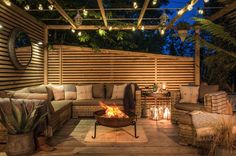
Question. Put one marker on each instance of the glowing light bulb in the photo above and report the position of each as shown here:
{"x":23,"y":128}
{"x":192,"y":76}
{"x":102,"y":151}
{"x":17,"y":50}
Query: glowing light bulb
{"x":133,"y":28}
{"x":200,"y":11}
{"x":50,"y":7}
{"x":110,"y":28}
{"x":190,"y":7}
{"x":40,"y":43}
{"x":142,"y":28}
{"x":206,"y":1}
{"x":7,"y":2}
{"x":180,"y":12}
{"x":154,"y":2}
{"x":85,"y":12}
{"x":27,"y":7}
{"x":73,"y":30}
{"x":40,"y":7}
{"x":1,"y":26}
{"x":162,"y":31}
{"x":135,"y":5}
{"x":79,"y":33}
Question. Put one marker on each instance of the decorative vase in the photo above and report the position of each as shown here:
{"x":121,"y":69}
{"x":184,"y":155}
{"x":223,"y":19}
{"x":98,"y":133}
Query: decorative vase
{"x":20,"y":144}
{"x":183,"y":34}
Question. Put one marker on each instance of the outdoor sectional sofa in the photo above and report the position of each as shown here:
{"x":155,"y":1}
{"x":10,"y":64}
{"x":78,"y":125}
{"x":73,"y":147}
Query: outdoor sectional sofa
{"x":69,"y":106}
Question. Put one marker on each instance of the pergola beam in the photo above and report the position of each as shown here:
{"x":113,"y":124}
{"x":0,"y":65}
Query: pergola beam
{"x":94,"y":27}
{"x":178,"y":16}
{"x":102,"y":12}
{"x":222,"y":12}
{"x":145,"y":5}
{"x":62,"y":12}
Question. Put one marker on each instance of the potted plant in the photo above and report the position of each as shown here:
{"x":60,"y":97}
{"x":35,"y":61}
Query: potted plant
{"x":182,"y":28}
{"x":20,"y":122}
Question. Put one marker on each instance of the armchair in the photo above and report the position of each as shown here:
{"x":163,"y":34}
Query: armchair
{"x":216,"y":102}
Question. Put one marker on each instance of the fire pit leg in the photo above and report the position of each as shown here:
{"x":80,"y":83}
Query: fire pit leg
{"x":135,"y":129}
{"x":95,"y":130}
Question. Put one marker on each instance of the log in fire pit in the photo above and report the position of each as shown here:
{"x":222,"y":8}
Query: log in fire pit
{"x":112,"y":116}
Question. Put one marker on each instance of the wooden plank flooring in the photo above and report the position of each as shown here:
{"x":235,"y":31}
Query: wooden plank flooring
{"x":162,"y":141}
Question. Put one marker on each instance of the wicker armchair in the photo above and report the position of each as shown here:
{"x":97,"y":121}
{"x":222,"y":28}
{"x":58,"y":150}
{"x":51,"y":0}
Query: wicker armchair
{"x":214,"y":102}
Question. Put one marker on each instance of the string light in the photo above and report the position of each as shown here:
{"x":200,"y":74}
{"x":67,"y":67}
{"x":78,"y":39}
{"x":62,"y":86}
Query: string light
{"x":133,"y":28}
{"x":142,"y":28}
{"x":73,"y":30}
{"x":110,"y":28}
{"x":79,"y":33}
{"x":50,"y":7}
{"x":1,"y":26}
{"x":135,"y":5}
{"x":85,"y":12}
{"x":27,"y":7}
{"x":180,"y":12}
{"x":154,"y":2}
{"x":206,"y":1}
{"x":200,"y":11}
{"x":40,"y":7}
{"x":7,"y":2}
{"x":190,"y":7}
{"x":40,"y":43}
{"x":162,"y":31}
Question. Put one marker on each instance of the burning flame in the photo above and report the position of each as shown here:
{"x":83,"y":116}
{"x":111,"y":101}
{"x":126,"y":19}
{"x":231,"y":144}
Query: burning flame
{"x":113,"y":111}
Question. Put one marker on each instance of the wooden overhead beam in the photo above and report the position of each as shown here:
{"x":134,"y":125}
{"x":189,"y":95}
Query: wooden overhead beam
{"x":178,"y":16}
{"x":102,"y":12}
{"x":62,"y":12}
{"x":222,"y":12}
{"x":94,"y":27}
{"x":145,"y":5}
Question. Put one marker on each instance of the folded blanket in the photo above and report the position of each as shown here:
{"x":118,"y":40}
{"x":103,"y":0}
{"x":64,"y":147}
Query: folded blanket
{"x":205,"y":122}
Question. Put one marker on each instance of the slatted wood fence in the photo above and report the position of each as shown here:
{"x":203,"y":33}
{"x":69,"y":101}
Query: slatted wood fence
{"x":11,"y":78}
{"x":70,"y":64}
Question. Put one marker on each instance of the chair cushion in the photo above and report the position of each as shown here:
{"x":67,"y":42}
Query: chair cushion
{"x":61,"y":105}
{"x":207,"y":89}
{"x":70,"y":92}
{"x":189,"y":106}
{"x":185,"y":119}
{"x":98,"y":90}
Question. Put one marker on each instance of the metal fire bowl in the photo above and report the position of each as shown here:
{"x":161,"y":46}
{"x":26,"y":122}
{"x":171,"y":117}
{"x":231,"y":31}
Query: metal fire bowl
{"x":114,"y":122}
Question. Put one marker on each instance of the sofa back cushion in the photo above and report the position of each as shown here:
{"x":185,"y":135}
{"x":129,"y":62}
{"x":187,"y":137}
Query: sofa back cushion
{"x":70,"y":92}
{"x":58,"y":92}
{"x":36,"y":96}
{"x":84,"y":92}
{"x":98,"y":90}
{"x":189,"y":94}
{"x":118,"y":91}
{"x":43,"y":89}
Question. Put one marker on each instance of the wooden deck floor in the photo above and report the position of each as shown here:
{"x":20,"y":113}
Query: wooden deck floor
{"x":162,"y":141}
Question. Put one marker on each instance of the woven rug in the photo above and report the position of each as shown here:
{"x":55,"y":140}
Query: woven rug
{"x":116,"y":135}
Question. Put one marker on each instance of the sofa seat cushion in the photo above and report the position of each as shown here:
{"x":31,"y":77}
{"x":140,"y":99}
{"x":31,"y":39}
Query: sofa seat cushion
{"x":61,"y":105}
{"x":185,"y":119}
{"x":95,"y":102}
{"x":189,"y":106}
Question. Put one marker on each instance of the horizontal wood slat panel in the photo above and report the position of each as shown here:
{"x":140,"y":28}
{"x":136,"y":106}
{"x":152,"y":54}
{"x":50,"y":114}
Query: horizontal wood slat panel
{"x":11,"y":78}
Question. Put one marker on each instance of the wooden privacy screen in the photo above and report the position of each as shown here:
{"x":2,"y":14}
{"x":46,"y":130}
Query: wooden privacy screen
{"x":70,"y":64}
{"x":11,"y":78}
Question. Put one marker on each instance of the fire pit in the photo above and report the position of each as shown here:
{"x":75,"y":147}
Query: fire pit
{"x":111,"y":116}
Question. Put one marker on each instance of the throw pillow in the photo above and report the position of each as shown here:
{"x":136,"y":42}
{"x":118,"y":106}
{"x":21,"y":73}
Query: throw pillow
{"x":58,"y":92}
{"x":189,"y":94}
{"x":109,"y":90}
{"x":70,"y":92}
{"x":98,"y":90}
{"x":118,"y":91}
{"x":84,"y":92}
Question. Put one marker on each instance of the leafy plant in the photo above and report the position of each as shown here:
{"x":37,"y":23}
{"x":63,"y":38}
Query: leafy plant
{"x":18,"y":119}
{"x":183,"y":25}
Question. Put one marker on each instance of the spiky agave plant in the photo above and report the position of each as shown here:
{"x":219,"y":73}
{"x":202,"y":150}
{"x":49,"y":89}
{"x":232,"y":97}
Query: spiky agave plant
{"x":19,"y":119}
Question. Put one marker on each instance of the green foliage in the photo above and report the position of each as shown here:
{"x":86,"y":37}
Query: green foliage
{"x":19,"y":119}
{"x":101,"y":32}
{"x":84,"y":37}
